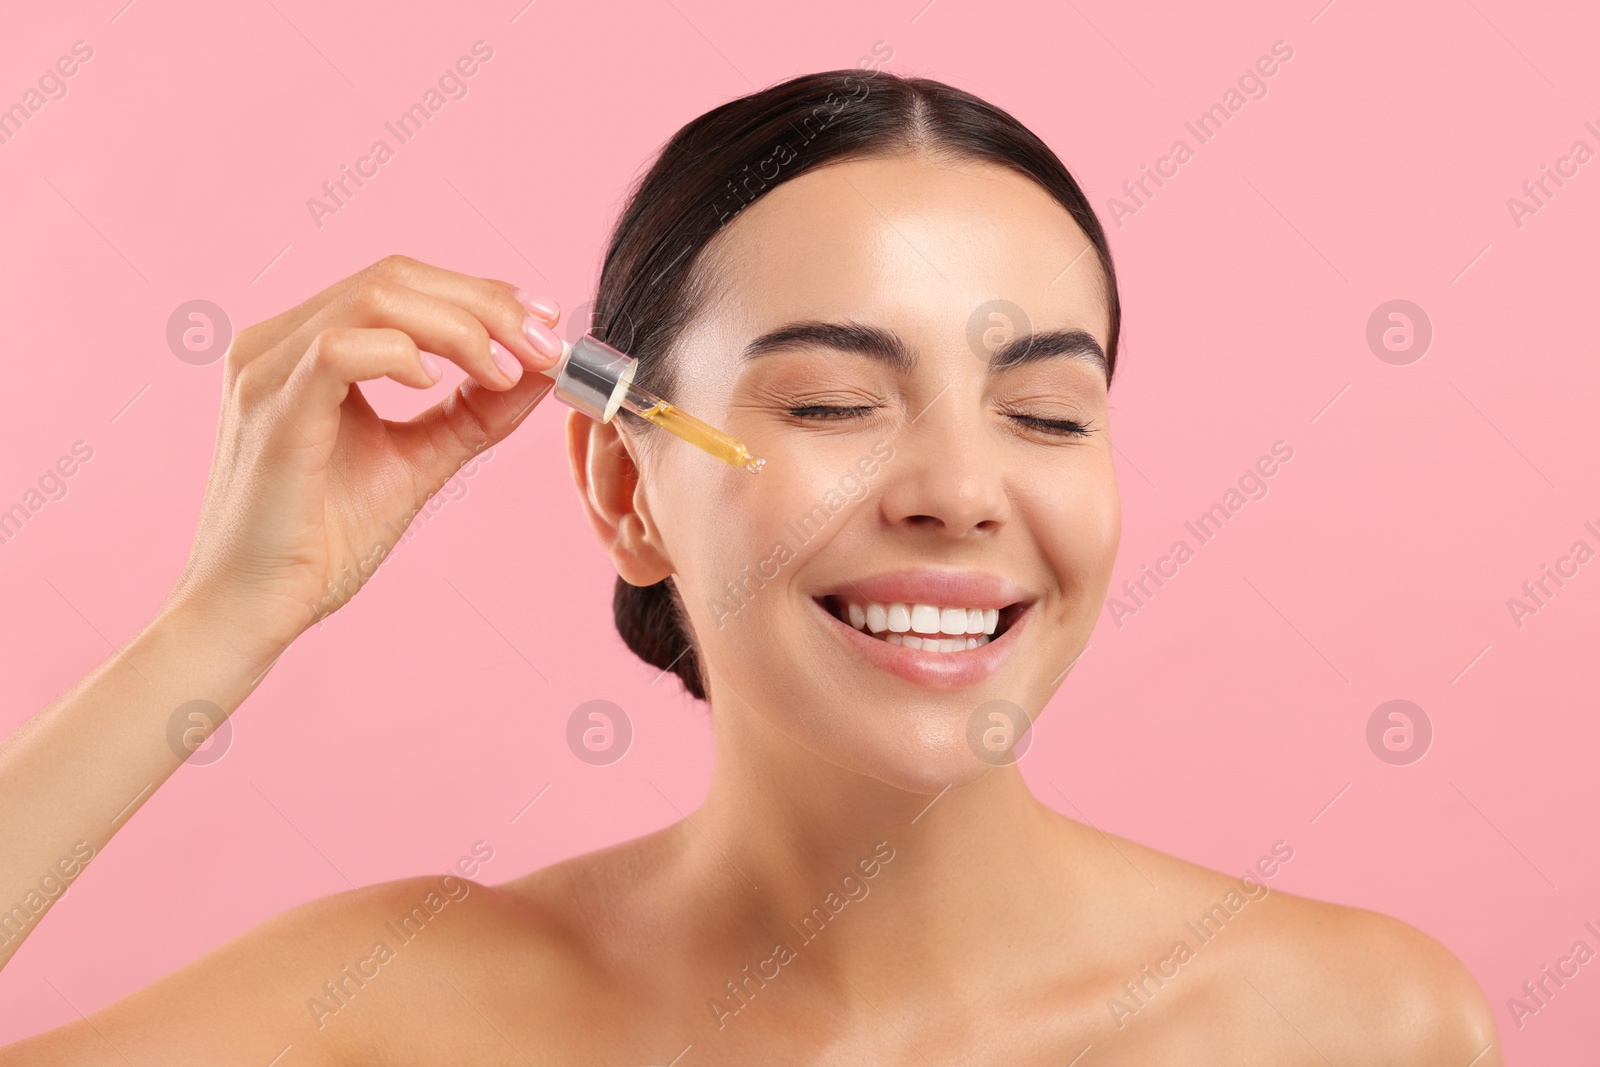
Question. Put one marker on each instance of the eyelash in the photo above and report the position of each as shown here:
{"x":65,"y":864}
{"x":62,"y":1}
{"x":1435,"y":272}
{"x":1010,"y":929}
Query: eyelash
{"x":1058,"y":427}
{"x":811,"y":410}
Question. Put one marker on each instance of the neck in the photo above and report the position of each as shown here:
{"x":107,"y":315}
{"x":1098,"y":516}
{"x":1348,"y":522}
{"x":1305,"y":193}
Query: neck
{"x":941,"y":877}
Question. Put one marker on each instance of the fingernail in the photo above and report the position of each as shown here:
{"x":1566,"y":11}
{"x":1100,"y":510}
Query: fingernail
{"x":430,"y":366}
{"x":538,"y":305}
{"x":543,"y":338}
{"x":509,"y":365}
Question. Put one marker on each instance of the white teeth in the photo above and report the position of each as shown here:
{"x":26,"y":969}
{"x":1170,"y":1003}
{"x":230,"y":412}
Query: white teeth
{"x":925,"y":618}
{"x":937,"y":644}
{"x":929,"y":619}
{"x":928,"y":627}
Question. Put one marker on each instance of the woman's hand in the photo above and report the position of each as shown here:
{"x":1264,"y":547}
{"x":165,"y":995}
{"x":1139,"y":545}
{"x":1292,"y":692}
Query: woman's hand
{"x":309,"y":488}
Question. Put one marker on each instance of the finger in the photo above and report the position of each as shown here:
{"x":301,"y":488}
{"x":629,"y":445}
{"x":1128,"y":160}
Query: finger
{"x":436,"y":280}
{"x":464,"y":289}
{"x":435,"y":325}
{"x":340,"y":356}
{"x":469,"y":420}
{"x":514,"y":317}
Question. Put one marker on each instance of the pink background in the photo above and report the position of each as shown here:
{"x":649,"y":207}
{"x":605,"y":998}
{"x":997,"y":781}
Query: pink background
{"x":1225,"y":715}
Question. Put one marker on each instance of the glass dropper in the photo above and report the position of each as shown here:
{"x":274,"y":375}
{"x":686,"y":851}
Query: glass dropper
{"x":596,"y":379}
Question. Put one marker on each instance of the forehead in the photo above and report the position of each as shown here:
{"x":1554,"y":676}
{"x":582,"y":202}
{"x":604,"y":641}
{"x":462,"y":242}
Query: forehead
{"x":908,"y":242}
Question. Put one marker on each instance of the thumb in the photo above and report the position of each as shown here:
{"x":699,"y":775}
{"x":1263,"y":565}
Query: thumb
{"x":469,"y":420}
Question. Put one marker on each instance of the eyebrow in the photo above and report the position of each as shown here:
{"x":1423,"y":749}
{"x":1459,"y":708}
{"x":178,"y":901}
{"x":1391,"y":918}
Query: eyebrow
{"x":886,"y":345}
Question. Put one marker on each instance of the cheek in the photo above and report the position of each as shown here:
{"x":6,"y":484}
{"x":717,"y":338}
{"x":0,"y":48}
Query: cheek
{"x":736,"y":539}
{"x":1078,"y":522}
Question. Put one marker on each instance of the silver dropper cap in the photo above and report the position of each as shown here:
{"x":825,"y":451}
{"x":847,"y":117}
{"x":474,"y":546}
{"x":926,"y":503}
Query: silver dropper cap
{"x":591,"y":376}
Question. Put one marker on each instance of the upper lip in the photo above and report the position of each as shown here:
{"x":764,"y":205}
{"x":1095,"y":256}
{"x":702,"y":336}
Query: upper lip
{"x":948,"y":588}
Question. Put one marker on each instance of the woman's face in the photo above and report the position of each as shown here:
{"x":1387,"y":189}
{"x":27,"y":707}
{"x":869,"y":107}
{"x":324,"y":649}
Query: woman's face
{"x":904,"y":465}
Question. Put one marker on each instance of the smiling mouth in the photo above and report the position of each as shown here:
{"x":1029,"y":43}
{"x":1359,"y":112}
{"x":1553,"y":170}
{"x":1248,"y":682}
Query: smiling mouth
{"x":928,"y":627}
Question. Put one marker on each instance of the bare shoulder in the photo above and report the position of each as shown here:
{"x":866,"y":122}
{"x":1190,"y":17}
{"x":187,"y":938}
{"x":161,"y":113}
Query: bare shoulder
{"x":321,"y":978}
{"x":1385,"y":991}
{"x":1336,"y":982}
{"x":1209,"y":963}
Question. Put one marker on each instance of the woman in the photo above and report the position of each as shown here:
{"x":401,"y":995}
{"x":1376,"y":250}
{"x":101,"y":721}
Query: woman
{"x":897,"y":296}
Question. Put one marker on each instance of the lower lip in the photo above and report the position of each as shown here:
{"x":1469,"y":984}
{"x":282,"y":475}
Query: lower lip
{"x":948,"y":669}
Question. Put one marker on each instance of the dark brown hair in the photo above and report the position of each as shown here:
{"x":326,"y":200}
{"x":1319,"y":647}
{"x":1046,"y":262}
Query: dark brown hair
{"x":654,"y":278}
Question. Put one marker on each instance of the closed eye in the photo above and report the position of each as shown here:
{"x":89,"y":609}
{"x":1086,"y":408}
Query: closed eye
{"x":1063,"y":427}
{"x":1060,"y":427}
{"x":823,"y":411}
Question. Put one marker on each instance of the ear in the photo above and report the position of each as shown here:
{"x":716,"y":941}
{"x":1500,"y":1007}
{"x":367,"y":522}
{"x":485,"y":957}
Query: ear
{"x":606,"y":471}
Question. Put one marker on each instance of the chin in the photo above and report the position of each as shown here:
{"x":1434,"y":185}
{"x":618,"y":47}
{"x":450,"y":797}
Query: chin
{"x":935,"y":773}
{"x":838,"y":678}
{"x":922,"y":747}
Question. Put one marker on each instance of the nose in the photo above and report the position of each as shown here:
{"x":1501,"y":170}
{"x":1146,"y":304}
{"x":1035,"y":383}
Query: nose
{"x":946,"y":474}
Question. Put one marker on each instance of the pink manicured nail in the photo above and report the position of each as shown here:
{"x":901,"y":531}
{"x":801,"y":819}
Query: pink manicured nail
{"x":542,"y":338}
{"x":509,"y":365}
{"x":431,"y":367}
{"x":538,"y":305}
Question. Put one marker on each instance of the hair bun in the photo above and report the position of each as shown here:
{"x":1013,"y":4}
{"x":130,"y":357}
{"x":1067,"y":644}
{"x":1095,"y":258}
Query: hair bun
{"x":651,"y":624}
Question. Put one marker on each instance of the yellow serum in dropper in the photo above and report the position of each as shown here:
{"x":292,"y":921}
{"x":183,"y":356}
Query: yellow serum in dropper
{"x":702,"y":435}
{"x":597,"y":379}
